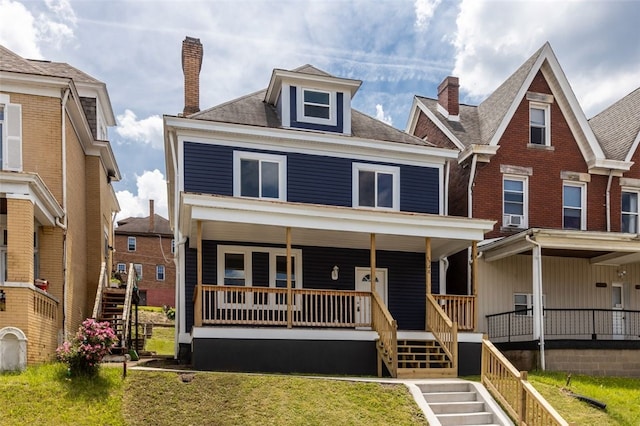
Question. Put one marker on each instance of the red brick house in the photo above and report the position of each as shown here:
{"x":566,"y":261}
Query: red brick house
{"x":561,"y":268}
{"x":147,"y":242}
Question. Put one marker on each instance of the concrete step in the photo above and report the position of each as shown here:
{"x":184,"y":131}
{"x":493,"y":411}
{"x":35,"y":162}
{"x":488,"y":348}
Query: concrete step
{"x":482,"y":418}
{"x":437,"y":387}
{"x":438,"y":397}
{"x":457,"y":407}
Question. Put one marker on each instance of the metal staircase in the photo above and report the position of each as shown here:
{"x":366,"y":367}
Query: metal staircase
{"x":113,"y":304}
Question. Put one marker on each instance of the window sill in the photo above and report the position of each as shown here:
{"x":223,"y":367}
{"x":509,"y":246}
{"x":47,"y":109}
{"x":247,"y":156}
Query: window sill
{"x":512,"y":229}
{"x":541,"y":147}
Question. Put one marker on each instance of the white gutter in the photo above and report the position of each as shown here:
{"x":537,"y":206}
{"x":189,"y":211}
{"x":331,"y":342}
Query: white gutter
{"x":538,"y":312}
{"x":608,"y":200}
{"x":65,"y":295}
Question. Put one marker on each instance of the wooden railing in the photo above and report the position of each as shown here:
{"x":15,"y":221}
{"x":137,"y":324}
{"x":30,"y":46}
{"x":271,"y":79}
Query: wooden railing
{"x":444,"y":330}
{"x":268,"y":306}
{"x":387,"y":328}
{"x":103,"y":282}
{"x":512,"y":390}
{"x":132,"y":280}
{"x":461,"y":309}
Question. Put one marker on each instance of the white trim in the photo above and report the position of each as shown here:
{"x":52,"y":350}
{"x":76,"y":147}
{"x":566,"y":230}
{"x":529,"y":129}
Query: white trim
{"x":294,"y":140}
{"x":525,"y":200}
{"x":29,"y":186}
{"x":384,"y":272}
{"x":442,"y":110}
{"x":332,"y":106}
{"x":394,"y":171}
{"x":437,"y":122}
{"x":546,"y":109}
{"x":285,"y":105}
{"x":583,"y":203}
{"x":281,"y":160}
{"x":635,"y":191}
{"x":282,"y":334}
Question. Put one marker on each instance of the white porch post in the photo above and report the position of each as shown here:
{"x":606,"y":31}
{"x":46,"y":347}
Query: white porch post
{"x":427,"y":275}
{"x":198,"y":307}
{"x":372,"y":256}
{"x":538,"y":315}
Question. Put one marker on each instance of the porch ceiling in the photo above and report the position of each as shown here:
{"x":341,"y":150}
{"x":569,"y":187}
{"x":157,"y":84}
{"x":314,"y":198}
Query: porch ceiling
{"x":248,"y":220}
{"x":601,"y":248}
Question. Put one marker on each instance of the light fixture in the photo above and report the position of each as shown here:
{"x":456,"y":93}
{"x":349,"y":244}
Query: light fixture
{"x":3,"y":301}
{"x":621,"y":273}
{"x":334,"y":273}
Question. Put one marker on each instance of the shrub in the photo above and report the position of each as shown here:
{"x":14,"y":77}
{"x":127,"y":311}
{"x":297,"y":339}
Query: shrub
{"x":169,"y":312}
{"x":83,"y":354}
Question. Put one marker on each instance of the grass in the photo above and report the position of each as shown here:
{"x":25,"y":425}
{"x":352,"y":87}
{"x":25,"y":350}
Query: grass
{"x":161,"y":341}
{"x":622,"y":396}
{"x":44,"y":395}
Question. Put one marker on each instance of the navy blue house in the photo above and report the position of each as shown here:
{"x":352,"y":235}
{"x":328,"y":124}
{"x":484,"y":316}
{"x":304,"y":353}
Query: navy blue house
{"x":284,"y":204}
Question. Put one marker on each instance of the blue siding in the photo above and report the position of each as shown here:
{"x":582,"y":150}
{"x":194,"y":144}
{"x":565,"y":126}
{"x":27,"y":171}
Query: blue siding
{"x":314,"y":179}
{"x":208,"y":168}
{"x":339,"y":128}
{"x":406,"y":289}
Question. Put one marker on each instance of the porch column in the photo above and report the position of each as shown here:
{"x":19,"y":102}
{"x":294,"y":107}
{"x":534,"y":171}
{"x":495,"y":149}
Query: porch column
{"x":372,"y":255}
{"x":474,"y":280}
{"x":538,"y":316}
{"x":198,"y":295}
{"x":289,"y":292}
{"x":427,"y":275}
{"x":20,"y":227}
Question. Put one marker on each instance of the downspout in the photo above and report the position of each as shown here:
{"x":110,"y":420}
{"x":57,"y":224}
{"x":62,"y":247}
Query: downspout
{"x":472,"y":177}
{"x":608,"y":202}
{"x":65,"y":296}
{"x":537,"y":298}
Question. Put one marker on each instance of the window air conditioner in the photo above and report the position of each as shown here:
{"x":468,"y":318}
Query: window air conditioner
{"x":515,"y":220}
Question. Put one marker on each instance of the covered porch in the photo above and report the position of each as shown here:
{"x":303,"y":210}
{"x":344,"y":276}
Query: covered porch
{"x":322,"y":259}
{"x":562,"y":289}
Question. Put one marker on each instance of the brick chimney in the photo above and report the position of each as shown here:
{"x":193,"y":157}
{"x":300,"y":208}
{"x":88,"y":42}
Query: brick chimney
{"x":191,"y":64}
{"x":448,"y":92}
{"x":152,"y":217}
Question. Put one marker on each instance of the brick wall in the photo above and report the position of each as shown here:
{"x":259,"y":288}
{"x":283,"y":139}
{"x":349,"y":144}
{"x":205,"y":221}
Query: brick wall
{"x":148,"y":252}
{"x":20,"y":227}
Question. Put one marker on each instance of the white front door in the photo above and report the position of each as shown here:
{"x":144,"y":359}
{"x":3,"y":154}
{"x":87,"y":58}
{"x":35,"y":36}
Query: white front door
{"x":617,"y":304}
{"x":363,"y":281}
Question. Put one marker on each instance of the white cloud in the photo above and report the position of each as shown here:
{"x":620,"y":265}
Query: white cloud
{"x":494,"y":38}
{"x":25,"y":34}
{"x":380,"y":115}
{"x":148,"y":130}
{"x":424,"y":12}
{"x":151,"y":185}
{"x":18,"y":30}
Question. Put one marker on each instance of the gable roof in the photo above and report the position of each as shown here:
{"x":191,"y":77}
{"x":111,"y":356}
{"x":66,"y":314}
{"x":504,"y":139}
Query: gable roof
{"x":487,"y":124}
{"x":253,"y":110}
{"x":140,"y":225}
{"x":618,"y":127}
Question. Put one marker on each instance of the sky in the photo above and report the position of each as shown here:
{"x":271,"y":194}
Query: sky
{"x":397,"y":48}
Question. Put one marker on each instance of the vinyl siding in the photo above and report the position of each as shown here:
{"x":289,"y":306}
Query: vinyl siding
{"x":313,"y":179}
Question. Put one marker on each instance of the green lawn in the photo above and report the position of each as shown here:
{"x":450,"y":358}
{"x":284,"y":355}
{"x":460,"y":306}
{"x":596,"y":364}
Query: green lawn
{"x":44,"y":395}
{"x":622,"y":396}
{"x":161,"y":341}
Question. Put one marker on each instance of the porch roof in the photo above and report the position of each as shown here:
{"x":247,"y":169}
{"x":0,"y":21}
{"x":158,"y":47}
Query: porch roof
{"x":29,"y":186}
{"x":601,"y":248}
{"x":227,"y":218}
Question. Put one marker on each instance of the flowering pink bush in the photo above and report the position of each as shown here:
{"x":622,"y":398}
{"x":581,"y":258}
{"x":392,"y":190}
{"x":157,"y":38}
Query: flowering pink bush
{"x":83,"y":354}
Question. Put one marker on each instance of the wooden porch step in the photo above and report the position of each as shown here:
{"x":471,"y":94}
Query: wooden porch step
{"x":423,"y":358}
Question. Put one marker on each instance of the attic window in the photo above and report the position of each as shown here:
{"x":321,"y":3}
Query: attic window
{"x":539,"y":118}
{"x":316,"y":106}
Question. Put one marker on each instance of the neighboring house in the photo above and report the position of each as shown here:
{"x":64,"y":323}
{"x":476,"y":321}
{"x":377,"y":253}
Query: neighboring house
{"x":57,"y":203}
{"x":147,"y":242}
{"x":562,"y":267}
{"x":284,"y":203}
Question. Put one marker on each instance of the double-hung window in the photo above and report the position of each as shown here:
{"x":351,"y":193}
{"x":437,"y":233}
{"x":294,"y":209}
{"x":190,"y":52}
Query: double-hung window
{"x":514,"y":201}
{"x":316,"y":106}
{"x":138,"y":268}
{"x":10,"y":134}
{"x":376,"y":186}
{"x":159,"y":272}
{"x":131,"y":243}
{"x":121,"y":268}
{"x":630,"y":212}
{"x":259,"y":175}
{"x":539,"y":130}
{"x":523,"y":303}
{"x":574,"y":200}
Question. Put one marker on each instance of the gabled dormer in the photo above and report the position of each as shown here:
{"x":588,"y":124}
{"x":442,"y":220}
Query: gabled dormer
{"x":310,"y":99}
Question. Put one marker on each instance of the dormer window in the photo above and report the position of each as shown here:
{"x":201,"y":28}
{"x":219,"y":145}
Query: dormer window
{"x":316,"y":106}
{"x":539,"y":119}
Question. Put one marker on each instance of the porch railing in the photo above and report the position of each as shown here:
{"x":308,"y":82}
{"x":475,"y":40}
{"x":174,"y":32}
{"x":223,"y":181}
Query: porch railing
{"x":512,"y":390}
{"x":387,"y":328}
{"x":268,"y":306}
{"x":461,"y":309}
{"x":566,"y":323}
{"x":103,"y":282}
{"x":444,"y":330}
